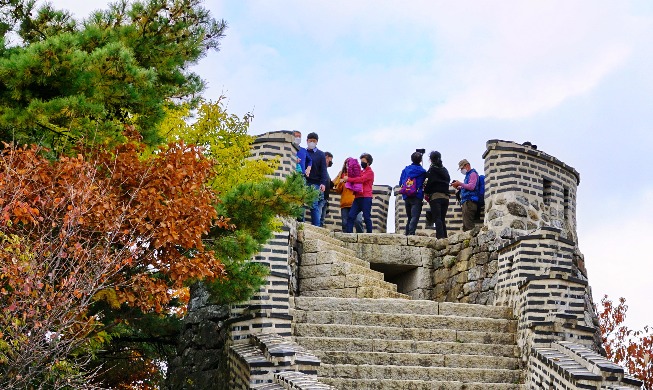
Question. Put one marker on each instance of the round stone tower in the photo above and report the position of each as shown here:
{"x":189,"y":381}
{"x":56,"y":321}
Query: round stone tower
{"x":527,"y":189}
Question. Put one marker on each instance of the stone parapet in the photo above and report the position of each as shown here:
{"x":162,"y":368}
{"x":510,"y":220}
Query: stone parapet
{"x":380,"y":207}
{"x":539,"y":278}
{"x":569,"y":366}
{"x":277,"y":144}
{"x":255,"y":364}
{"x":453,"y":221}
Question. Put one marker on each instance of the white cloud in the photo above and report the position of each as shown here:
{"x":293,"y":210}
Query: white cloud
{"x":619,"y":261}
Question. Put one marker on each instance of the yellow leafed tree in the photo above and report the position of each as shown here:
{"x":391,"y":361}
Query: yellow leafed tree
{"x":225,"y":139}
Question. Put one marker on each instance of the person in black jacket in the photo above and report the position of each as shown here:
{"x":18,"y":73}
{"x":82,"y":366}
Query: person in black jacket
{"x":318,"y":178}
{"x":437,"y":190}
{"x":325,"y":208}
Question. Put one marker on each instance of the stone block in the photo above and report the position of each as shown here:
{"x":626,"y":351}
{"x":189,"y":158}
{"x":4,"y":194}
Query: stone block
{"x":420,"y":241}
{"x":382,"y":239}
{"x":462,"y":266}
{"x":464,"y":255}
{"x":518,"y":224}
{"x":393,"y":254}
{"x":516,"y":209}
{"x":441,"y":244}
{"x":322,"y":283}
{"x":346,"y":237}
{"x":480,"y":258}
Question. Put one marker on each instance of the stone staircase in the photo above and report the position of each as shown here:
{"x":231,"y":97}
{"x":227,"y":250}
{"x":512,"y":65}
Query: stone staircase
{"x":398,"y":344}
{"x":328,"y":269}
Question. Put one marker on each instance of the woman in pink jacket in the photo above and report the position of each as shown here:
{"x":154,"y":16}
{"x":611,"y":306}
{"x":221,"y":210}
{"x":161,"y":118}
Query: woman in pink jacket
{"x":363,"y":200}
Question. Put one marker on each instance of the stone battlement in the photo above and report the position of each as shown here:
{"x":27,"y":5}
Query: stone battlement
{"x":506,"y":305}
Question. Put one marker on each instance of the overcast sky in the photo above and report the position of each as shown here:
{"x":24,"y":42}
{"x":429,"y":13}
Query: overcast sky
{"x":387,"y":77}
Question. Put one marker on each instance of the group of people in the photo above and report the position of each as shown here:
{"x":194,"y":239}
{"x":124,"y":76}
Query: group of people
{"x":417,"y":184}
{"x":354,"y":183}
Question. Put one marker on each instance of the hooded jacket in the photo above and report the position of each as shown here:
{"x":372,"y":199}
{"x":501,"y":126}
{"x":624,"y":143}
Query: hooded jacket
{"x":418,"y":173}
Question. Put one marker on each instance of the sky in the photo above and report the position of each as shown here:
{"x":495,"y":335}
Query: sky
{"x":388,"y":77}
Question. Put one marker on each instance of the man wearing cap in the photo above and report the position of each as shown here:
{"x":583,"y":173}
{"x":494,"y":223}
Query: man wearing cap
{"x":468,"y":193}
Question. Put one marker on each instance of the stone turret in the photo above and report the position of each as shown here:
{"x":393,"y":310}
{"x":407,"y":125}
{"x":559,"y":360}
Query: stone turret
{"x":527,"y":189}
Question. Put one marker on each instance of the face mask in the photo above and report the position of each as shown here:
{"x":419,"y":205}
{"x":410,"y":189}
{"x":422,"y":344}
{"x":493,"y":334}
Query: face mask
{"x":329,"y":164}
{"x":463,"y":171}
{"x":363,"y":165}
{"x":298,"y":141}
{"x":312,"y":145}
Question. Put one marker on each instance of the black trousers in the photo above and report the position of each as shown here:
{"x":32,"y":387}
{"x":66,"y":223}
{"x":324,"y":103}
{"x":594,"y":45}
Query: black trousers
{"x":439,"y":209}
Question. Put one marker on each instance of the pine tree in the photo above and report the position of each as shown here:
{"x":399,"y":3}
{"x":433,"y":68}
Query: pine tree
{"x":67,"y":81}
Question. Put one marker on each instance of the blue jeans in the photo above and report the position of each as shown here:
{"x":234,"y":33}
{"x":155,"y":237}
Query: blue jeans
{"x":358,"y":222}
{"x":364,"y":205}
{"x":413,"y":211}
{"x":316,"y":208}
{"x":324,"y":207}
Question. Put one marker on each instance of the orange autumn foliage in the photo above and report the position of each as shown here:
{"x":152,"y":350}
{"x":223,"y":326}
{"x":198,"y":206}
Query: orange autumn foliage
{"x":111,"y":227}
{"x":159,"y":208}
{"x":629,"y":348}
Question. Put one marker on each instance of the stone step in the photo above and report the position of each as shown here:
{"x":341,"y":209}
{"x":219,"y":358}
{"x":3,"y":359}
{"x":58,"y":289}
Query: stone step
{"x":298,"y":380}
{"x":409,"y":321}
{"x":417,"y":359}
{"x":386,"y":373}
{"x":343,"y":281}
{"x":318,"y":245}
{"x":391,"y":333}
{"x":374,"y":384}
{"x":337,"y":269}
{"x":357,"y":292}
{"x":331,"y":257}
{"x":401,"y":346}
{"x":315,"y":233}
{"x":403,"y":307}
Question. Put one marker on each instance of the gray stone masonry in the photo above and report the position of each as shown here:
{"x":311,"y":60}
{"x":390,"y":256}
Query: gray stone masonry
{"x":506,"y":305}
{"x":392,"y":344}
{"x":565,"y":365}
{"x":454,"y":219}
{"x":527,"y":189}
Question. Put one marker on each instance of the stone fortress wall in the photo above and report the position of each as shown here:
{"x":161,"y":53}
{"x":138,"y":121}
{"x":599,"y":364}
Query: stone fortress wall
{"x":524,"y":257}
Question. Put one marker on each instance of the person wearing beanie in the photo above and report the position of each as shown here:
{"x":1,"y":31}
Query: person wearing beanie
{"x":436,"y":191}
{"x":411,"y":183}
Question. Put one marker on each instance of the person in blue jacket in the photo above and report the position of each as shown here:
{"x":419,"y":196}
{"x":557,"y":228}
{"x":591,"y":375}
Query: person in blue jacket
{"x":415,"y":196}
{"x":469,"y":196}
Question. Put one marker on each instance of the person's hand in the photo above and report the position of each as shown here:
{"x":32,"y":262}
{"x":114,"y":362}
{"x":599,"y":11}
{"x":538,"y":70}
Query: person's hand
{"x":322,"y":188}
{"x":344,"y":179}
{"x":455,"y":184}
